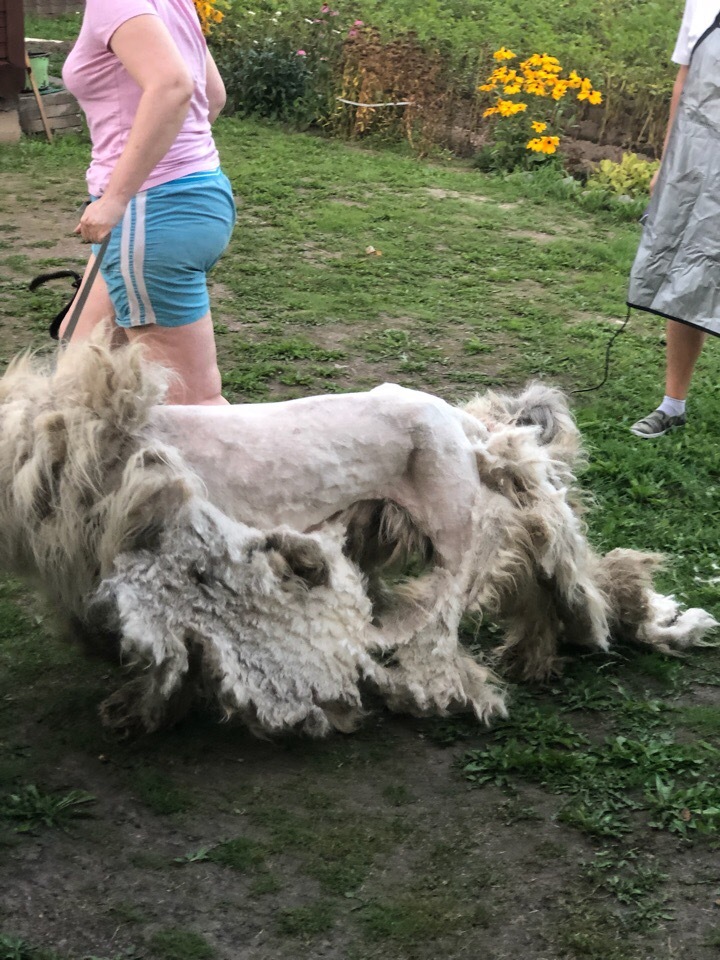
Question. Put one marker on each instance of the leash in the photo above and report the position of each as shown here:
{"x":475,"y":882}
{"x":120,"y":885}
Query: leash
{"x":611,"y":341}
{"x":78,"y":304}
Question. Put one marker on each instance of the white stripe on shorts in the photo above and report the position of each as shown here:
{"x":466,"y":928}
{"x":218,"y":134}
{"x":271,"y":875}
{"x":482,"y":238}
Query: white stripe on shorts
{"x":139,"y":257}
{"x":125,"y":270}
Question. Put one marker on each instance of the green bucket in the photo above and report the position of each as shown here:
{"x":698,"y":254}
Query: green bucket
{"x":40,"y":64}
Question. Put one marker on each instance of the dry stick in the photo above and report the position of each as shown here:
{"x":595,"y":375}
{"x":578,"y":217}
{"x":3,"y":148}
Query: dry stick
{"x":38,"y":98}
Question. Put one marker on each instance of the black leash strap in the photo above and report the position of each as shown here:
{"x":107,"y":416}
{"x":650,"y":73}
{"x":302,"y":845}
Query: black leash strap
{"x":611,"y":341}
{"x":79,"y":303}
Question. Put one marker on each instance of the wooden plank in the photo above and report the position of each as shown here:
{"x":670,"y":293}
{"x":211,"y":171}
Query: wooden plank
{"x":59,"y":125}
{"x":51,"y":99}
{"x":29,"y":110}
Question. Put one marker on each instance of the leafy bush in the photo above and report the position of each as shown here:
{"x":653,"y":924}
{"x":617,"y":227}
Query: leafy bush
{"x":267,"y":80}
{"x":277,"y":67}
{"x":629,"y":178}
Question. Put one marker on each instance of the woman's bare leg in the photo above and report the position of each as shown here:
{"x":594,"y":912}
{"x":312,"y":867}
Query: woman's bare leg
{"x":684,"y":345}
{"x":189,"y":350}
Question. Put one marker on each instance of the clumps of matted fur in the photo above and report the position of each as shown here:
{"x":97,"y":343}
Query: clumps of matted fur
{"x":556,"y":590}
{"x":272,"y":629}
{"x":271,"y":626}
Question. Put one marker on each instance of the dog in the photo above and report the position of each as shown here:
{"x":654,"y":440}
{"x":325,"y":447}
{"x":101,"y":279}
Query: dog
{"x":235,"y":554}
{"x":487,"y":491}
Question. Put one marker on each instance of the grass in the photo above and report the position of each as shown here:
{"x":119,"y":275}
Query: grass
{"x":591,"y":812}
{"x":178,"y":944}
{"x":160,"y":794}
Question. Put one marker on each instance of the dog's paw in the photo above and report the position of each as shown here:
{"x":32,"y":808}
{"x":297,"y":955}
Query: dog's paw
{"x":120,"y":712}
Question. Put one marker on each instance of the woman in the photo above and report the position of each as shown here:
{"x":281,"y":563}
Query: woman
{"x":150,"y":90}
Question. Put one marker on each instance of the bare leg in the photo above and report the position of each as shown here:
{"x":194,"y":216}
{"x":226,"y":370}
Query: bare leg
{"x":98,"y":308}
{"x":684,"y":344}
{"x":189,"y":350}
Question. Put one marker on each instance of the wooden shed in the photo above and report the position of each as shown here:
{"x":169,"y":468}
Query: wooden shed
{"x":12,"y":48}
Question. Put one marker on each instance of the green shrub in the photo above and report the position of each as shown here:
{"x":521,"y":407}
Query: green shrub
{"x":629,"y":178}
{"x":267,"y":80}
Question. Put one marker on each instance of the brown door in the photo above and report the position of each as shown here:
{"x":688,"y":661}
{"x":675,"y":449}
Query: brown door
{"x":12,"y":47}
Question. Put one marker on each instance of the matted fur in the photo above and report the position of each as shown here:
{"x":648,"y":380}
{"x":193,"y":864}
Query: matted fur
{"x":273,"y":626}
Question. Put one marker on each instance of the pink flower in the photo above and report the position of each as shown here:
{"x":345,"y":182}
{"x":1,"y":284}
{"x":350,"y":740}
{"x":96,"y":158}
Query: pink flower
{"x":352,"y":33}
{"x":300,"y":53}
{"x":358,"y":23}
{"x":324,"y":8}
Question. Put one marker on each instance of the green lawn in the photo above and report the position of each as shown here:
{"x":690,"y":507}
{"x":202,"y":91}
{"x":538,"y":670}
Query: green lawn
{"x":592,"y":827}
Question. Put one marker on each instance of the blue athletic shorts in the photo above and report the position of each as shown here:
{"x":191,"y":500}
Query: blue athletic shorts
{"x":159,"y":254}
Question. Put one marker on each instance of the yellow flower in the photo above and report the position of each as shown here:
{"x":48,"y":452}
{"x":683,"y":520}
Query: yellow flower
{"x":549,"y":144}
{"x":574,"y":80}
{"x":513,"y":88}
{"x":487,"y":86}
{"x":538,"y":126}
{"x":503,"y":54}
{"x":536,"y":87}
{"x":534,"y":61}
{"x":551,"y":64}
{"x":559,"y":90}
{"x":490,"y":111}
{"x":543,"y":144}
{"x":595,"y":97}
{"x":506,"y":108}
{"x":585,"y":89}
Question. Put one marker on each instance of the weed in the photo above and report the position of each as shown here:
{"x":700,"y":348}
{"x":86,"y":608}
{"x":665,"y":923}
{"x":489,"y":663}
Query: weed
{"x":239,"y":854}
{"x":14,"y":948}
{"x":598,"y":820}
{"x":32,"y":808}
{"x":602,"y":781}
{"x":684,"y":810}
{"x":195,"y":856}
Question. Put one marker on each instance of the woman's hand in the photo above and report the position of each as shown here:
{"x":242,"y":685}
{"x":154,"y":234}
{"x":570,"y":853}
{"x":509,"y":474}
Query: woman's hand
{"x":99,"y":218}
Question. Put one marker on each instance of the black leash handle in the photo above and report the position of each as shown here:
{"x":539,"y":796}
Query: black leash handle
{"x":79,"y":303}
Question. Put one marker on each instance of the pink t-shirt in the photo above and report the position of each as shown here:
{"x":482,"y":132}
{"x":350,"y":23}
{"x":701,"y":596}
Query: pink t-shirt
{"x":109,"y":96}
